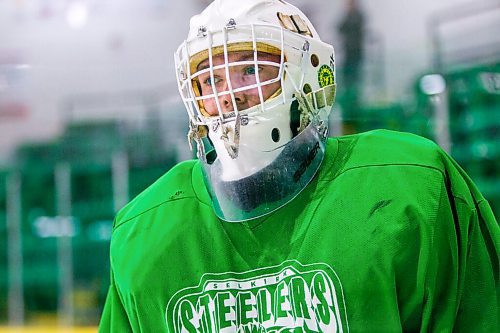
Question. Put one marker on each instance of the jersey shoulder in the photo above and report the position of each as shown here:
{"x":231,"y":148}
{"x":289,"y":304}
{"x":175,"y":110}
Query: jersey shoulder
{"x":398,"y":151}
{"x":385,"y":147}
{"x":175,"y":184}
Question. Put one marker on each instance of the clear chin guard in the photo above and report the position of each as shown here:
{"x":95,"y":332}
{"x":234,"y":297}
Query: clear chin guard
{"x":272,"y":187}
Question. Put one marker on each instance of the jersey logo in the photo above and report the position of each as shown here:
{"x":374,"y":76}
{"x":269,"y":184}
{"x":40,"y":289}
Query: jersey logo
{"x":284,"y":298}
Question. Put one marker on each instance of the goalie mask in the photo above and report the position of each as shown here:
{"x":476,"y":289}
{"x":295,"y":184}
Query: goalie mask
{"x":258,"y":85}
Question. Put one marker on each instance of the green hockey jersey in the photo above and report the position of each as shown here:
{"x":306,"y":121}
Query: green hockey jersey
{"x":390,"y":236}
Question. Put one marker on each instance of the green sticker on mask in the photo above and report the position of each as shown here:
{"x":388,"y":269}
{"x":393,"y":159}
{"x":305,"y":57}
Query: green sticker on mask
{"x":325,"y":76}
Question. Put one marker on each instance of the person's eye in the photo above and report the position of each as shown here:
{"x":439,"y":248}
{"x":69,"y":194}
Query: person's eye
{"x":250,"y":70}
{"x":208,"y":81}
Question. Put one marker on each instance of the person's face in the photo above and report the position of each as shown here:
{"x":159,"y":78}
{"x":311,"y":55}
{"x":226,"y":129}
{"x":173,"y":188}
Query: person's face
{"x":240,"y":76}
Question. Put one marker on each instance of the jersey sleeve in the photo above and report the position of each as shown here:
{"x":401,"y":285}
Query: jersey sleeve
{"x":462,"y":293}
{"x":114,"y":317}
{"x":478,"y":307}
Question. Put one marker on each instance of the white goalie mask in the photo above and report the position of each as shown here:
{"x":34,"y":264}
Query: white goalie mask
{"x":258,"y":85}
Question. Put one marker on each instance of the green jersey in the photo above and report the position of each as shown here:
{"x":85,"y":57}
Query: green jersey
{"x":390,"y":236}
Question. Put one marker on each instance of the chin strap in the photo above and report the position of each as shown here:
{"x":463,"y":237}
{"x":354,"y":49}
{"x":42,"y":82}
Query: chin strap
{"x":232,"y":142}
{"x":197,"y":133}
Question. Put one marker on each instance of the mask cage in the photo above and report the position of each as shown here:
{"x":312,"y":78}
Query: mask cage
{"x":262,"y":37}
{"x":232,"y":88}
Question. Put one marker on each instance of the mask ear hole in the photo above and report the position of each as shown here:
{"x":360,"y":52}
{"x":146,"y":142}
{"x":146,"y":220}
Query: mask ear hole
{"x":275,"y":134}
{"x":314,"y":60}
{"x":307,"y":88}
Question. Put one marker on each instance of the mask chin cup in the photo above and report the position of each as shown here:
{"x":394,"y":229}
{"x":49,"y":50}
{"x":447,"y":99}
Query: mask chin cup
{"x":271,"y":187}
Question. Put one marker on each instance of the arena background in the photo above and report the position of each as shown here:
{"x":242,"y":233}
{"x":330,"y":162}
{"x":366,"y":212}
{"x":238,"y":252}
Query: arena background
{"x":90,"y":115}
